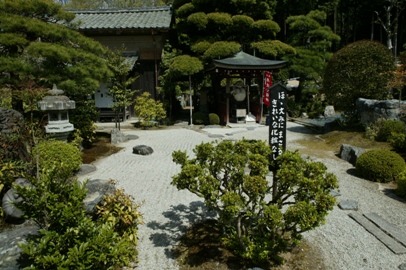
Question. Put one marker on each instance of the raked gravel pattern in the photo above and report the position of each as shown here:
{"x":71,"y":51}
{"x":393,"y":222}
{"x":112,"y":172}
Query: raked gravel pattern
{"x":168,"y":212}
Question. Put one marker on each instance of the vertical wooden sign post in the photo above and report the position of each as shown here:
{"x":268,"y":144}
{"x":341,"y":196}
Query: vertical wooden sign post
{"x":277,"y":127}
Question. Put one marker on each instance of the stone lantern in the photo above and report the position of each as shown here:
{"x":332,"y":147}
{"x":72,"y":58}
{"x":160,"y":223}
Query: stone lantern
{"x":57,"y":106}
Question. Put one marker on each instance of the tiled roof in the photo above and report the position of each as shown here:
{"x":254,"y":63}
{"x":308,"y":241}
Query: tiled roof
{"x":247,"y":61}
{"x":146,"y":18}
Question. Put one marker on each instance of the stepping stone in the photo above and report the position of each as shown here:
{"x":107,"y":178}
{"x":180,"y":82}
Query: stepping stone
{"x":387,"y":227}
{"x":348,"y":205}
{"x":216,"y":136}
{"x":334,"y":193}
{"x":388,"y":241}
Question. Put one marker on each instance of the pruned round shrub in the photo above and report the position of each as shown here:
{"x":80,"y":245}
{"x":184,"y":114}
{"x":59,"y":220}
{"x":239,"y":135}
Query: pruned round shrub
{"x":401,"y":189}
{"x":389,"y":127}
{"x":380,"y":165}
{"x":214,"y":119}
{"x":65,"y":156}
{"x":199,"y":118}
{"x":398,"y":142}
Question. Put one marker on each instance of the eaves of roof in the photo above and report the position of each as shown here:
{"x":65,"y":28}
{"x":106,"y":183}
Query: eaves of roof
{"x":124,"y":19}
{"x":242,"y":60}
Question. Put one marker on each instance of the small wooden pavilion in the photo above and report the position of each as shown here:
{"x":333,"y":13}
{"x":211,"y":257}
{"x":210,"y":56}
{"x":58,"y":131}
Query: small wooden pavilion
{"x":246,"y":67}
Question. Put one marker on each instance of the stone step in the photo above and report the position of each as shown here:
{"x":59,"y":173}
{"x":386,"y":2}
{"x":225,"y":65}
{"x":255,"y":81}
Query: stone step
{"x":387,"y":227}
{"x":388,"y":241}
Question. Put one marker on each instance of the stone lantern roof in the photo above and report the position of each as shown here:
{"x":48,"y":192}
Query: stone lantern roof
{"x":56,"y":101}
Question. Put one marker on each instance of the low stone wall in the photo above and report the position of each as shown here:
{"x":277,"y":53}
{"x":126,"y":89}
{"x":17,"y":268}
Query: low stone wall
{"x":370,"y":110}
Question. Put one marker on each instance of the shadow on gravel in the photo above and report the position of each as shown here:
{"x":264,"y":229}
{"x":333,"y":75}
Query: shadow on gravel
{"x":179,"y":218}
{"x":391,"y":193}
{"x":352,"y":172}
{"x":301,"y":129}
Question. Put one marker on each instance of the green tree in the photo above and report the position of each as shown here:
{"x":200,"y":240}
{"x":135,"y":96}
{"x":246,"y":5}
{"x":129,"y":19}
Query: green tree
{"x":35,"y":45}
{"x":312,"y":41}
{"x":120,"y":84}
{"x":359,"y":70}
{"x":148,"y":110}
{"x":232,"y":177}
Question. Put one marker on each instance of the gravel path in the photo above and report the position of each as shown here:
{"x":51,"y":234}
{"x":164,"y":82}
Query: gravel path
{"x":168,"y":212}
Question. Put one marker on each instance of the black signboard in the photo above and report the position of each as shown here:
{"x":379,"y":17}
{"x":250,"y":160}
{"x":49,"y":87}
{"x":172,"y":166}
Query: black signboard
{"x":277,"y":124}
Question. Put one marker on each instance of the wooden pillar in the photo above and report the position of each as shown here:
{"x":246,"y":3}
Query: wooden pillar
{"x":228,"y":99}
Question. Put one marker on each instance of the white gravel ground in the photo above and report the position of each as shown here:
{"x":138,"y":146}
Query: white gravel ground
{"x":168,"y":212}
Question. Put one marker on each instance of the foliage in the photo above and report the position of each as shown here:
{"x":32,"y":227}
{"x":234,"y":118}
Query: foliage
{"x":258,"y":221}
{"x":35,"y":46}
{"x":381,"y":165}
{"x":65,"y":155}
{"x":359,"y":70}
{"x":119,"y":84}
{"x":120,"y":210}
{"x":148,"y":110}
{"x":398,"y":142}
{"x":199,"y":118}
{"x":401,"y":181}
{"x":372,"y":130}
{"x":214,"y":119}
{"x":68,"y":238}
{"x":389,"y":127}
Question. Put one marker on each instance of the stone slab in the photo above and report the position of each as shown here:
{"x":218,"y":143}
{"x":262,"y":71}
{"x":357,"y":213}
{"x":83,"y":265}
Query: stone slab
{"x":388,"y":241}
{"x":348,"y":205}
{"x":387,"y":227}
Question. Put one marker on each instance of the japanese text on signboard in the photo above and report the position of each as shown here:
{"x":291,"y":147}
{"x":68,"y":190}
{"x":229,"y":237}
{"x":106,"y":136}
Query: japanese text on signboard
{"x":277,"y":125}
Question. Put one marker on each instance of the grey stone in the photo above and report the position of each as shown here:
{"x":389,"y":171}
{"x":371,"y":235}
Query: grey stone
{"x":9,"y":250}
{"x":402,"y":266}
{"x":96,"y":189}
{"x":10,"y":120}
{"x":216,"y":136}
{"x":329,"y":111}
{"x":351,"y":153}
{"x":85,"y":169}
{"x":388,"y":241}
{"x":132,"y":137}
{"x":11,"y":211}
{"x":371,"y":110}
{"x":117,"y":136}
{"x":334,"y":193}
{"x":142,"y":150}
{"x":348,"y":205}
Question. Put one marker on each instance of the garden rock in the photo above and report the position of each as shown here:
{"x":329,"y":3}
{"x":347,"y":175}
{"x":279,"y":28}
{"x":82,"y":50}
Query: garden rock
{"x":348,"y":205}
{"x":350,"y":153}
{"x":10,"y":120}
{"x":85,"y":169}
{"x":142,"y":150}
{"x":371,"y":110}
{"x":329,"y":111}
{"x":132,"y":137}
{"x":96,"y":189}
{"x":12,"y":213}
{"x":117,"y":136}
{"x":9,"y":250}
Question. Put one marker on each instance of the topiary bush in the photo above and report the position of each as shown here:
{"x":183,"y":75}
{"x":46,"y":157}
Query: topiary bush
{"x":214,"y":119}
{"x":380,"y":165}
{"x":398,"y":142}
{"x":66,"y":156}
{"x":199,"y":118}
{"x":258,"y":222}
{"x":388,"y":128}
{"x":401,"y":189}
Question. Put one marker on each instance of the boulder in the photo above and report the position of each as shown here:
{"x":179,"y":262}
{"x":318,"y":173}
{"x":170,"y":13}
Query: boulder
{"x":329,"y":111}
{"x":371,"y":110}
{"x":96,"y":189}
{"x":350,"y":153}
{"x":142,"y":150}
{"x":85,"y":169}
{"x":11,"y":211}
{"x":117,"y":136}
